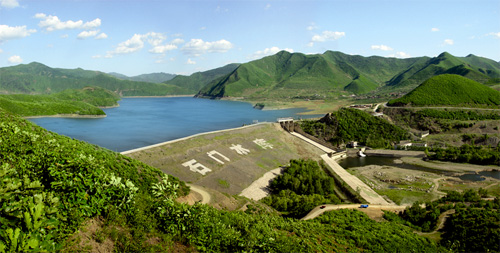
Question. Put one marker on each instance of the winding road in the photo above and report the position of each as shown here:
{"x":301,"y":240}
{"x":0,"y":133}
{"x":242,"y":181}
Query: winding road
{"x":317,"y":211}
{"x":205,"y":196}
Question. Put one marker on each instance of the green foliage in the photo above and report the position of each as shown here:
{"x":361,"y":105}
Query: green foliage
{"x":49,"y":184}
{"x":302,"y":186}
{"x":450,"y":90}
{"x":81,"y":102}
{"x":472,"y":230}
{"x":348,"y":124}
{"x":468,"y":154}
{"x":375,"y":236}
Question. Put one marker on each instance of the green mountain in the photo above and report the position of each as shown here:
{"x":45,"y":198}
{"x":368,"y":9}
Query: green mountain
{"x":287,"y":75}
{"x":36,"y":78}
{"x":473,"y":67}
{"x":450,"y":90}
{"x":193,"y":83}
{"x":150,"y":78}
{"x":81,"y":102}
{"x":295,"y":75}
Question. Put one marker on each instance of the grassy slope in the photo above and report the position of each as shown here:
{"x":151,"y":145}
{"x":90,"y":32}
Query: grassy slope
{"x":450,"y":90}
{"x":474,"y":68}
{"x":36,"y":78}
{"x":193,"y":83}
{"x":295,"y":75}
{"x":51,"y":184}
{"x":82,"y":102}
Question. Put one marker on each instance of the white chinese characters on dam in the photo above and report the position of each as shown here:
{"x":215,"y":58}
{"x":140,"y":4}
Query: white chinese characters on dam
{"x":197,"y":167}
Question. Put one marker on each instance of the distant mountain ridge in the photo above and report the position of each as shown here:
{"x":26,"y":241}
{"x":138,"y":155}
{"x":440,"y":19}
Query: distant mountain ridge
{"x":193,"y":83}
{"x":151,"y":78}
{"x":37,"y":78}
{"x":288,"y":75}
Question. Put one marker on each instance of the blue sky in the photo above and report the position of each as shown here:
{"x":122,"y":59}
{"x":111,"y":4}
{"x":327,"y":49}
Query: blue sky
{"x":134,"y":37}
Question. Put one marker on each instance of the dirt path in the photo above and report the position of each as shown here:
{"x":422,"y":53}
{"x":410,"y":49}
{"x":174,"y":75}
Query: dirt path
{"x":440,"y":225}
{"x":258,"y":189}
{"x":205,"y":196}
{"x":317,"y":211}
{"x":355,"y":183}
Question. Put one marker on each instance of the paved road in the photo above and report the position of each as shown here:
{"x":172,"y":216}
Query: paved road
{"x":355,"y":183}
{"x":317,"y":211}
{"x":205,"y":196}
{"x":323,"y":148}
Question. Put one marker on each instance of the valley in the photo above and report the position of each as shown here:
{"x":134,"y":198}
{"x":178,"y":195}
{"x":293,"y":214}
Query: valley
{"x":443,"y":156}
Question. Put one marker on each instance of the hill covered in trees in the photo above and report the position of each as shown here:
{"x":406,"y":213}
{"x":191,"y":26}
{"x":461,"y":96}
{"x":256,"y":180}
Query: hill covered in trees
{"x":36,"y":78}
{"x":348,"y":124}
{"x":81,"y":102}
{"x":450,"y":90}
{"x":296,"y":75}
{"x":193,"y":83}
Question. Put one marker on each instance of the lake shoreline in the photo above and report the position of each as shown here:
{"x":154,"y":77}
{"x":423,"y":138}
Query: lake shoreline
{"x":66,"y":116}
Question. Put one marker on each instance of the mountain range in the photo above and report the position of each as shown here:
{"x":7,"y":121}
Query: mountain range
{"x":150,"y":78}
{"x":288,"y":75}
{"x":281,"y":76}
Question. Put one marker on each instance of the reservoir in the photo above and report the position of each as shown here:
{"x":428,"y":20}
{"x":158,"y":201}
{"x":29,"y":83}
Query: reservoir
{"x":140,"y":122}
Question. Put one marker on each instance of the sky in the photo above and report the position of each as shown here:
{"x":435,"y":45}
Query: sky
{"x":134,"y":37}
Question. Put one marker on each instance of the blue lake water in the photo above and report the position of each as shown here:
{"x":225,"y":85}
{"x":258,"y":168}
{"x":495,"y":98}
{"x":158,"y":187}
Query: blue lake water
{"x":141,"y":122}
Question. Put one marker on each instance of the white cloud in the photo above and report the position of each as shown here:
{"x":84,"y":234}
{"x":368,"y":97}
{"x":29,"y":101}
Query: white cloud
{"x":1,"y":51}
{"x":268,"y":51}
{"x":53,"y":23}
{"x":101,"y":36}
{"x":191,"y":62}
{"x":197,"y":47}
{"x":400,"y":55}
{"x":268,"y":6}
{"x":160,"y":49}
{"x":14,"y":32}
{"x":136,"y":43}
{"x":312,"y":26}
{"x":494,"y":34}
{"x":129,"y":46}
{"x":9,"y":3}
{"x":434,"y":29}
{"x":177,"y":41}
{"x":86,"y":34}
{"x":64,"y":36}
{"x":448,"y":42}
{"x":15,"y":59}
{"x":381,"y":47}
{"x":326,"y":36}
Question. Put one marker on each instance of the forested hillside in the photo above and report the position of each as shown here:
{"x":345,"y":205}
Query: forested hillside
{"x":294,"y":75}
{"x":193,"y":83}
{"x":347,"y":124}
{"x":51,"y":185}
{"x":36,"y":78}
{"x":450,"y":90}
{"x":80,"y":102}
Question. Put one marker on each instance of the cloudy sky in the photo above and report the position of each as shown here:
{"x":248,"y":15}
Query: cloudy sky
{"x":133,"y":37}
